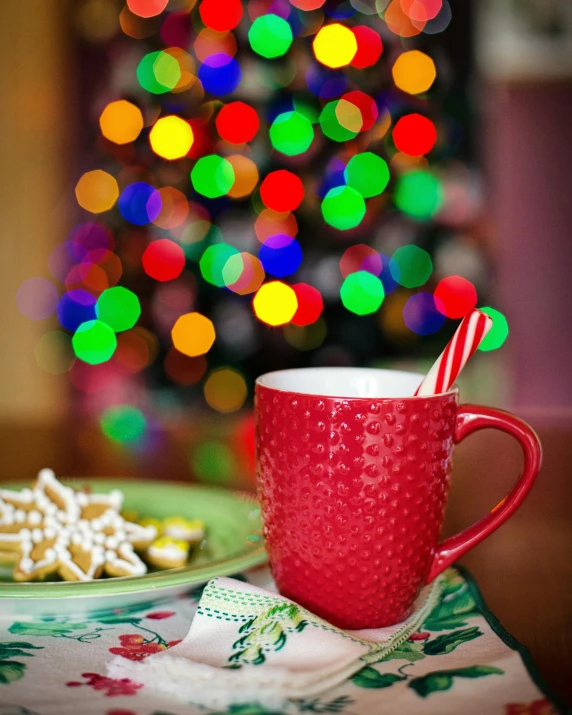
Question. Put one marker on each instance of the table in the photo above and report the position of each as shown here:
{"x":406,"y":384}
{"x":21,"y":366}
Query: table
{"x":524,"y":570}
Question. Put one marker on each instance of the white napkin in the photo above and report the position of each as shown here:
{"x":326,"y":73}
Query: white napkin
{"x":247,"y":644}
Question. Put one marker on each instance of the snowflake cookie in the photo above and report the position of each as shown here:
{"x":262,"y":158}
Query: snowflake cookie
{"x":52,"y":529}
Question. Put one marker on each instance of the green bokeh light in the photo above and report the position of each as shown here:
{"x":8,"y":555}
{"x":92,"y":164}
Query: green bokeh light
{"x":94,"y":342}
{"x":367,"y":173}
{"x":270,"y":36}
{"x":419,"y":195}
{"x":410,"y":266}
{"x":498,"y":333}
{"x":123,"y":423}
{"x":331,"y":126}
{"x":158,"y":72}
{"x":362,"y":293}
{"x":214,"y":462}
{"x":212,"y":176}
{"x":213,"y":262}
{"x":343,"y":208}
{"x":119,"y":308}
{"x":291,"y":133}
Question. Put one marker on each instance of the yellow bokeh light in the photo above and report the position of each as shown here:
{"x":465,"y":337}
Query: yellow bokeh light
{"x":275,"y":303}
{"x":193,"y":334}
{"x":96,"y":191}
{"x":225,"y":390}
{"x":349,"y":116}
{"x":121,"y":122}
{"x":245,"y":176}
{"x":414,"y":72}
{"x":335,"y":45}
{"x":171,"y":137}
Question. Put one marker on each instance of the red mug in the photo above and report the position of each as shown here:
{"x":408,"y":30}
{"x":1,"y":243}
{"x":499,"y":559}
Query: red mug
{"x":353,"y":478}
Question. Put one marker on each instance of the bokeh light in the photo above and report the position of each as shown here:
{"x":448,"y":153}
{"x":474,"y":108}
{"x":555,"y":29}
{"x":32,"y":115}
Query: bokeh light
{"x":221,"y":15}
{"x":411,"y":266}
{"x":243,"y":273}
{"x":362,"y":293}
{"x":210,"y":42}
{"x":271,"y":222}
{"x":343,"y":208}
{"x":366,"y":105}
{"x":174,"y":208}
{"x":140,"y":203}
{"x":54,"y":352}
{"x":335,"y":45}
{"x":184,"y":370}
{"x":367,"y":173}
{"x":37,"y":298}
{"x":213,"y":462}
{"x":147,"y":8}
{"x":97,"y":191}
{"x":414,"y":72}
{"x":421,"y":314}
{"x":158,"y":72}
{"x":310,"y":304}
{"x":220,"y":74}
{"x":275,"y":303}
{"x":193,"y":334}
{"x":94,"y":342}
{"x":282,"y":191}
{"x":414,"y":134}
{"x":280,"y":255}
{"x":212,"y":176}
{"x":121,"y":122}
{"x":237,"y":122}
{"x":74,"y":308}
{"x":213,"y":261}
{"x":171,"y":137}
{"x":341,"y":120}
{"x":419,"y":194}
{"x":455,"y":296}
{"x":360,"y":257}
{"x":118,"y":307}
{"x":306,"y":337}
{"x":498,"y":334}
{"x":163,"y":260}
{"x":399,"y":21}
{"x":123,"y":423}
{"x":291,"y":133}
{"x":225,"y":390}
{"x":245,"y":176}
{"x":270,"y":36}
{"x":369,"y":47}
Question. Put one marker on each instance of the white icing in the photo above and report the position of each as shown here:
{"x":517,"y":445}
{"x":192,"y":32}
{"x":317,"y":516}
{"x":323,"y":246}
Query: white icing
{"x":34,"y":517}
{"x":19,"y":516}
{"x":171,"y":552}
{"x":37,"y":536}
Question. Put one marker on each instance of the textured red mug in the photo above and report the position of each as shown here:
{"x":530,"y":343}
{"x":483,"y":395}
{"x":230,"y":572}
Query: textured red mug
{"x":353,"y":478}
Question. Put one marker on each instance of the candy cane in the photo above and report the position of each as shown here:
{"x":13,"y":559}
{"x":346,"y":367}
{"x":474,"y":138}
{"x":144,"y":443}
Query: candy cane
{"x":468,"y":336}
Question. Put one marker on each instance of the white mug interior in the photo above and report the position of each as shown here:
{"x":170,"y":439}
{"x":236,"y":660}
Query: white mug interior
{"x":345,"y":382}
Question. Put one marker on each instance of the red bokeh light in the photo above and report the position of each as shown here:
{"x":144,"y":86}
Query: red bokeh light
{"x":399,"y":22}
{"x":282,"y":191}
{"x":310,"y":304}
{"x":360,"y":258}
{"x":369,"y":47}
{"x":147,"y":8}
{"x":176,"y":30}
{"x":237,"y":123}
{"x":455,"y":296}
{"x":366,"y":106}
{"x":163,"y":260}
{"x":221,"y":15}
{"x":269,"y":223}
{"x":184,"y":370}
{"x":419,"y":11}
{"x":414,"y":135}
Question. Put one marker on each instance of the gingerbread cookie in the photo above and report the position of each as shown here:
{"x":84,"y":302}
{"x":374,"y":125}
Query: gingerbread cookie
{"x":190,"y":530}
{"x":167,"y":553}
{"x":51,"y":530}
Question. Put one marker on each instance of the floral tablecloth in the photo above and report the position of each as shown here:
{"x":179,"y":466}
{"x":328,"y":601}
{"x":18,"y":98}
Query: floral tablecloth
{"x":461,"y":661}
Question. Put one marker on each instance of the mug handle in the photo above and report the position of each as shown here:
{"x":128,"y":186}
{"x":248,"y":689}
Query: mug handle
{"x":471,"y":418}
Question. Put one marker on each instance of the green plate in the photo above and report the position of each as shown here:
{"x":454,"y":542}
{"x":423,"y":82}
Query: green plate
{"x":233,"y":543}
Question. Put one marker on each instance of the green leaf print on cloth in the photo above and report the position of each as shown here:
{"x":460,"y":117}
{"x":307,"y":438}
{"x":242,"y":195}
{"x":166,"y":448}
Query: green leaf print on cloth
{"x":456,"y":605}
{"x":443,"y":679}
{"x":11,"y":670}
{"x":448,"y":642}
{"x":371,"y":678}
{"x":50,"y":628}
{"x":266,"y":633}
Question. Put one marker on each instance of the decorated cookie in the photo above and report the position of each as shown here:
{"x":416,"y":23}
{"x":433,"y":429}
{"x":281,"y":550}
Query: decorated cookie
{"x":177,"y":527}
{"x":51,"y":530}
{"x":167,"y":553}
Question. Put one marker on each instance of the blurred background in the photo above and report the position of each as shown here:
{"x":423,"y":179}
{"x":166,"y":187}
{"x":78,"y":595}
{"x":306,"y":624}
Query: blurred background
{"x":194,"y":193}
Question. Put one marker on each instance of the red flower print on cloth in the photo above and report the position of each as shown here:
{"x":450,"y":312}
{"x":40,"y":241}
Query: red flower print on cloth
{"x":113,"y":686}
{"x":120,"y":712}
{"x":159,"y":615}
{"x":421,"y":636}
{"x":135,"y":647}
{"x":537,"y":707}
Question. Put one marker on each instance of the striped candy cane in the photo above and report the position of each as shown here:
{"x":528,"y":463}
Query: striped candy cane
{"x":468,"y":336}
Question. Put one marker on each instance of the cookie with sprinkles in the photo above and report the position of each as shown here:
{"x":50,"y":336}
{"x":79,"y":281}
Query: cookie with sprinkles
{"x":53,"y":530}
